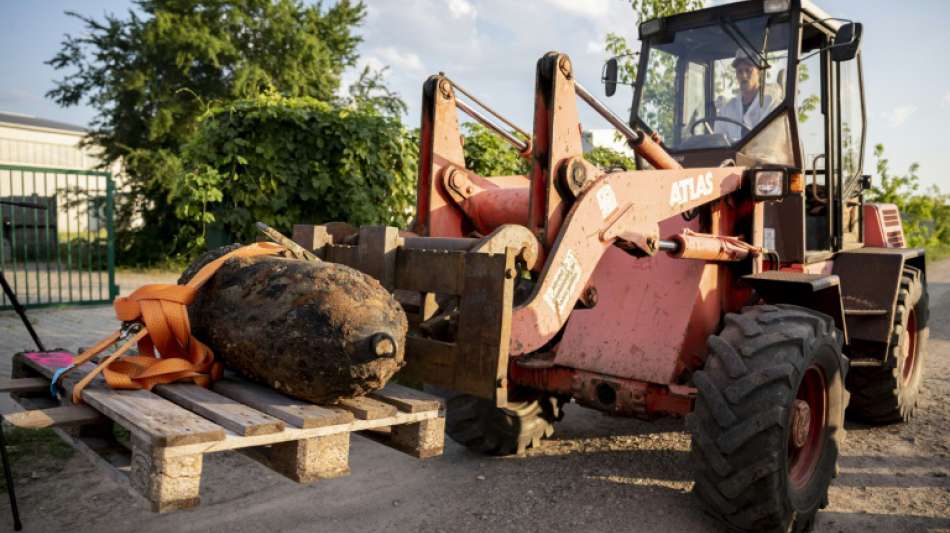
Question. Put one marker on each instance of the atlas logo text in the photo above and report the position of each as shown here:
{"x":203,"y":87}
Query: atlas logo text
{"x":691,"y":189}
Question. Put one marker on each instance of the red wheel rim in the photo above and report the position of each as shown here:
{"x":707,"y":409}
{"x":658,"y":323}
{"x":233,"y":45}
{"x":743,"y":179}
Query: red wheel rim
{"x":809,"y":414}
{"x":910,"y":348}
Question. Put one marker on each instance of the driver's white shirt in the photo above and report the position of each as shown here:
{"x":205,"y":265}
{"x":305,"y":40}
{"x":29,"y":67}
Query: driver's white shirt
{"x":757,"y":111}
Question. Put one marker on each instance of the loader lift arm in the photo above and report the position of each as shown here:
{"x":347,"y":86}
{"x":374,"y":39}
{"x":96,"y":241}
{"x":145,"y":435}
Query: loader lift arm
{"x":557,"y":223}
{"x":575,"y":209}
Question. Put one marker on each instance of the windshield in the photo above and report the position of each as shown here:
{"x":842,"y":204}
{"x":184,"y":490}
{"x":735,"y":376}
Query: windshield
{"x":709,"y":87}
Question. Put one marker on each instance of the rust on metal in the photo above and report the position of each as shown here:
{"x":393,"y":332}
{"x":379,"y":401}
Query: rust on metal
{"x":801,"y":421}
{"x":299,"y":252}
{"x":621,"y":206}
{"x":556,"y":138}
{"x":440,"y":146}
{"x":513,"y":236}
{"x":707,"y":247}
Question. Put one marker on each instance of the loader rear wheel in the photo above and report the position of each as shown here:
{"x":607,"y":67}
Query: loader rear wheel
{"x":769,"y":418}
{"x":888,"y":394}
{"x":479,"y":425}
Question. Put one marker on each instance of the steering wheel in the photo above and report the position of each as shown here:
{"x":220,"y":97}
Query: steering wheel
{"x":709,"y":121}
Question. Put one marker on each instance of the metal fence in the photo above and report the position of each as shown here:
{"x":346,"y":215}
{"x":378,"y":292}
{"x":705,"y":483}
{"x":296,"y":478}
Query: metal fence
{"x":58,"y":242}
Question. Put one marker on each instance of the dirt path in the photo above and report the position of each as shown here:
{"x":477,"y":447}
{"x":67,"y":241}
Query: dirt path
{"x":599,"y":474}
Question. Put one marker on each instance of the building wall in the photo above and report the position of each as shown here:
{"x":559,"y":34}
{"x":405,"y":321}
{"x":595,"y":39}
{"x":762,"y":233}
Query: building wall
{"x":23,"y":145}
{"x":74,"y":202}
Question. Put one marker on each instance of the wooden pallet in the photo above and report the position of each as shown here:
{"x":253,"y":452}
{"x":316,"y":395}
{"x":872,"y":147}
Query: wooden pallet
{"x":172,"y":427}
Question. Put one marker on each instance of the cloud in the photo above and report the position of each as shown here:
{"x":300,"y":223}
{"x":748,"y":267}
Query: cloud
{"x":461,"y":8}
{"x":900,"y":114}
{"x":946,"y":100}
{"x":398,"y":60}
{"x":587,"y":8}
{"x":486,"y":46}
{"x":595,"y":47}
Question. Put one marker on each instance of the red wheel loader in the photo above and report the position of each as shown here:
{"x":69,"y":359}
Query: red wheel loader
{"x":735,"y":276}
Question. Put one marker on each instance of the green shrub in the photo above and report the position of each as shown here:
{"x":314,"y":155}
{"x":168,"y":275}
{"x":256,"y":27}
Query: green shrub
{"x":285,"y":161}
{"x":608,"y":159}
{"x":925,"y":215}
{"x":487,"y":154}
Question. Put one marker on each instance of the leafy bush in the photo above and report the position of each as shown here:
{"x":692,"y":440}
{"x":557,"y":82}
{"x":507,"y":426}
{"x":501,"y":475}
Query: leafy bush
{"x":149,"y":73}
{"x":286,"y":160}
{"x":486,"y":154}
{"x":925,"y":215}
{"x":608,"y":159}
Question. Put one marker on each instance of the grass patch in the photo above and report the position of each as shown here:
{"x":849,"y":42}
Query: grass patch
{"x":938,"y":252}
{"x":164,"y":268}
{"x":31,"y":450}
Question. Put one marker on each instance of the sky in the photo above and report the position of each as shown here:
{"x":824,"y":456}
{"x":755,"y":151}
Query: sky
{"x":490,"y":47}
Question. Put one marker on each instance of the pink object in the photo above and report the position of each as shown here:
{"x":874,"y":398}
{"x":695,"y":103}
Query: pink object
{"x":51,"y":359}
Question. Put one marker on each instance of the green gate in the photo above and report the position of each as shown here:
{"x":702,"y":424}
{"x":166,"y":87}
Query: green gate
{"x":58,"y":242}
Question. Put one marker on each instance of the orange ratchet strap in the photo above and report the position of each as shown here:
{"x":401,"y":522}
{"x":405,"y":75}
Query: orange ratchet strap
{"x":156,"y":318}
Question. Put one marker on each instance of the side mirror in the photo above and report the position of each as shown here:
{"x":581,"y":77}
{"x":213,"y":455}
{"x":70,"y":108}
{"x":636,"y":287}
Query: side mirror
{"x":610,"y":77}
{"x":847,"y":42}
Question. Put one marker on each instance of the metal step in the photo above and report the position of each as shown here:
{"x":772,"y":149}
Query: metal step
{"x":866,"y":361}
{"x":865,"y":312}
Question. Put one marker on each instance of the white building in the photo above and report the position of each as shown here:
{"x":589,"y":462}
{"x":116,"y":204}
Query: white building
{"x":73,"y":199}
{"x":605,"y":138}
{"x":32,"y":141}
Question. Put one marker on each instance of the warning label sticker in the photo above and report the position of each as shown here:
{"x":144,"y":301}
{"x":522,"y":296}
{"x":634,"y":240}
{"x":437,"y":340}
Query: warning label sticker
{"x":560,"y":294}
{"x":606,"y":200}
{"x":768,"y":238}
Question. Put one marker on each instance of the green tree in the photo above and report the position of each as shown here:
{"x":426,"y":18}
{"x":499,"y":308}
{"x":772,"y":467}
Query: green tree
{"x":659,"y":94}
{"x":487,"y":154}
{"x":808,"y":104}
{"x":925,"y":214}
{"x":643,"y":10}
{"x":152,"y":73}
{"x":609,"y":160}
{"x":244,"y":164}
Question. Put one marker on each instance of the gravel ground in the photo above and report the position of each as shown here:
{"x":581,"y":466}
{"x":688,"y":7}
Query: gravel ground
{"x":599,"y":473}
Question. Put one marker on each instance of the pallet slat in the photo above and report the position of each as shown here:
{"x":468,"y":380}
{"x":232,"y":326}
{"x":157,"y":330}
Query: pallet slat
{"x":406,"y":399}
{"x":157,"y":421}
{"x":290,"y":433}
{"x":166,"y":468}
{"x":295,"y":412}
{"x":24,"y":385}
{"x":235,"y":416}
{"x":68,"y":415}
{"x":367,"y":408}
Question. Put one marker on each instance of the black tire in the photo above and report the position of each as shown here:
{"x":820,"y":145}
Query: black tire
{"x":480,"y":426}
{"x":889,"y":394}
{"x":748,"y":473}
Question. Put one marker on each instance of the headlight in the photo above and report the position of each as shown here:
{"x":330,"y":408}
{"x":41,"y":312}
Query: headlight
{"x":770,"y":184}
{"x":776,"y":6}
{"x":774,"y":182}
{"x":651,"y":27}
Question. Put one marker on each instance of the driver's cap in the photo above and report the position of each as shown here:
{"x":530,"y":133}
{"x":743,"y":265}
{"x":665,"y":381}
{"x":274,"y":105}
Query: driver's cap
{"x":741,"y":55}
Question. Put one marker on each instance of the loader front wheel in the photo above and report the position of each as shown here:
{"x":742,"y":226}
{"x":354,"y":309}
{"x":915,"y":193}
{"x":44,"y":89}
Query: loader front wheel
{"x":888,"y":394}
{"x":479,"y":425}
{"x":769,"y":418}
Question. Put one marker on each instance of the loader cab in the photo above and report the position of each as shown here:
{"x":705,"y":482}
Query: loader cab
{"x":806,"y":110}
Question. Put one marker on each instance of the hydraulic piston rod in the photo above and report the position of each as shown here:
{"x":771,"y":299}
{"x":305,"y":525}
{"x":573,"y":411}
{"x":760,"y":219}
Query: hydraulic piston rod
{"x":523,"y":147}
{"x":641,"y":143}
{"x":706,"y":247}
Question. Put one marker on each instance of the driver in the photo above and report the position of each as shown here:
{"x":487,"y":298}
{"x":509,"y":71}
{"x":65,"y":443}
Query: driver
{"x":746,"y":107}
